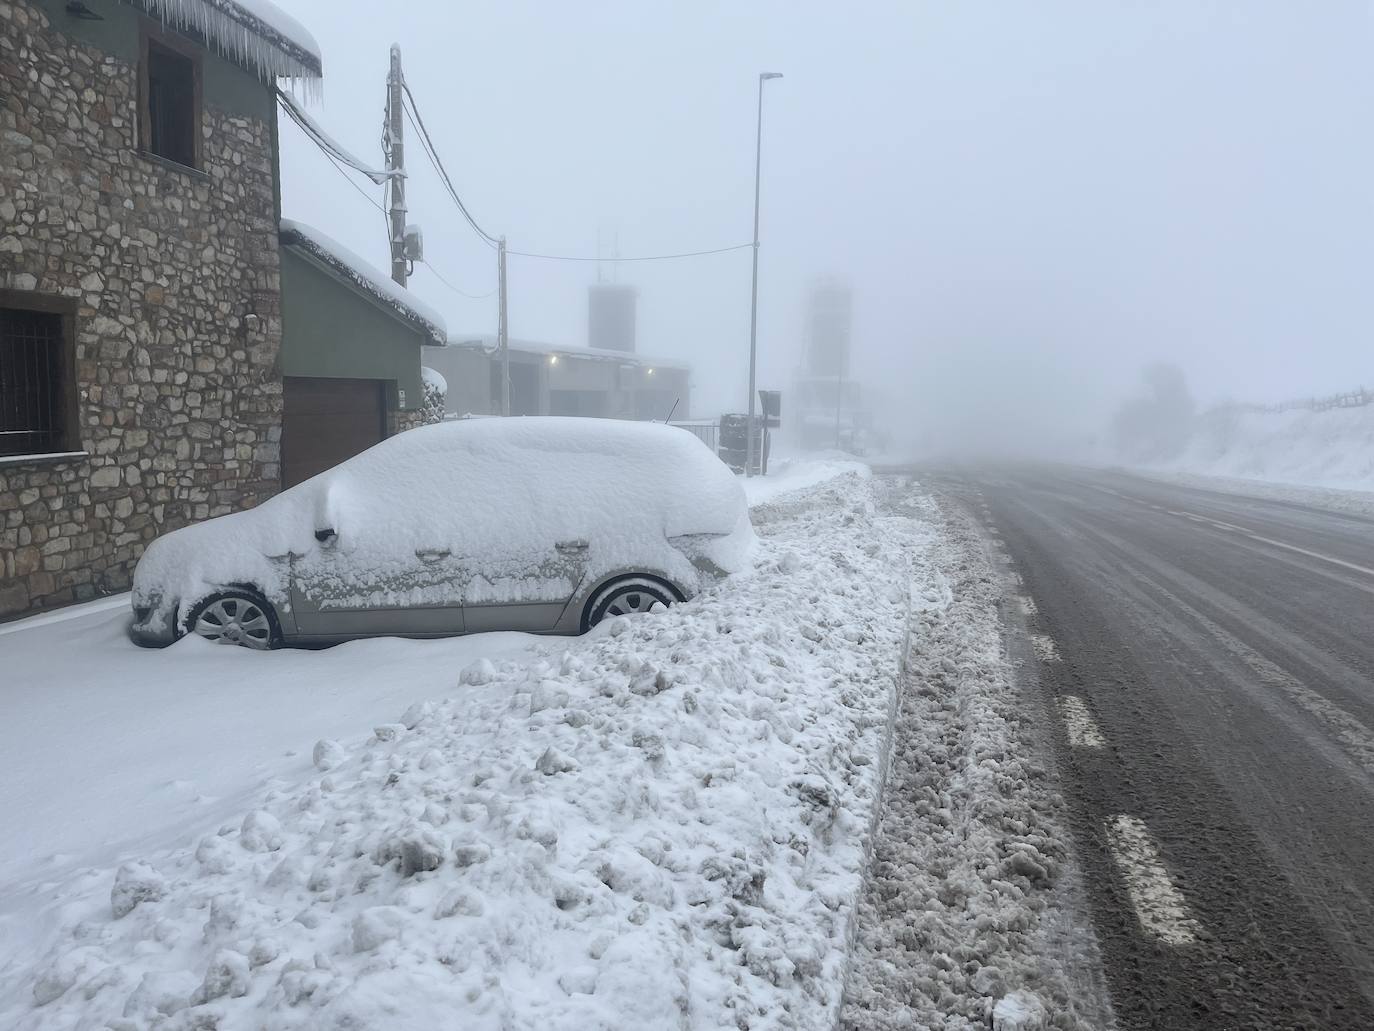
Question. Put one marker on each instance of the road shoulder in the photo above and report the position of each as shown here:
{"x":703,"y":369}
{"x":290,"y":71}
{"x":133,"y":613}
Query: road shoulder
{"x":971,"y":914}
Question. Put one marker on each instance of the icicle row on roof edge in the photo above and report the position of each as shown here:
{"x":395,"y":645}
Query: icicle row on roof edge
{"x":246,"y":39}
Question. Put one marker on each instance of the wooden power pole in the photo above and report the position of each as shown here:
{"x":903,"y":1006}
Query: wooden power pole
{"x":395,"y":163}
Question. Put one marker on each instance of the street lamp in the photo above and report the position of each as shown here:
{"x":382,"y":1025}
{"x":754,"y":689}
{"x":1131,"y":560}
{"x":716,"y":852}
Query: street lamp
{"x":754,"y":296}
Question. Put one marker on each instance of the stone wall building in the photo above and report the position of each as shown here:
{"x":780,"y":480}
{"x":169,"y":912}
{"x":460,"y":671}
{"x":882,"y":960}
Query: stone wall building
{"x":140,"y":303}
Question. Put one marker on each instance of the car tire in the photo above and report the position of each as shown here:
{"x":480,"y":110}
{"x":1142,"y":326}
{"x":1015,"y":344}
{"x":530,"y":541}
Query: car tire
{"x":627,"y":597}
{"x":239,"y":616}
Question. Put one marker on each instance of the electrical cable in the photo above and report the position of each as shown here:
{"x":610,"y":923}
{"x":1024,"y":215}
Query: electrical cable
{"x":418,"y":123}
{"x":474,"y":297}
{"x":413,"y":111}
{"x":641,"y":257}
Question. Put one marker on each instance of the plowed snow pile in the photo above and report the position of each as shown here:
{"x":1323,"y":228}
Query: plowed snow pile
{"x":966,"y":922}
{"x":662,"y":825}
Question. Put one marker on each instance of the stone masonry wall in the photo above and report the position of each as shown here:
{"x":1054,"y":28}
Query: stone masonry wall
{"x":180,"y":401}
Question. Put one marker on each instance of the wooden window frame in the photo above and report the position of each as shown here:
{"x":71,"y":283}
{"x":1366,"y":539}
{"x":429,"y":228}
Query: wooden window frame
{"x":54,"y":304}
{"x":152,"y":32}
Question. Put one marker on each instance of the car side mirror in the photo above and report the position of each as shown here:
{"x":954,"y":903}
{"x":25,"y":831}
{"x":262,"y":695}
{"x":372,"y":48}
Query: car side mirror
{"x":326,"y":535}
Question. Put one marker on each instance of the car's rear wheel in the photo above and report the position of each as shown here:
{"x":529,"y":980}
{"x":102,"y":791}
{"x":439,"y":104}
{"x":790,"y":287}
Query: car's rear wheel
{"x":626,"y":597}
{"x":240,"y":617}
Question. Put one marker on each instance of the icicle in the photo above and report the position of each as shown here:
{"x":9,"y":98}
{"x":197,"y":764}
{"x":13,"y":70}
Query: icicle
{"x":246,"y":34}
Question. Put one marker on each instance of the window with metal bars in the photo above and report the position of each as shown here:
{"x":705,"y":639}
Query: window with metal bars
{"x":33,"y":416}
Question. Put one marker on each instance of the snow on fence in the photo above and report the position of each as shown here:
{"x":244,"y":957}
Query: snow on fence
{"x":1357,"y":398}
{"x":705,"y":430}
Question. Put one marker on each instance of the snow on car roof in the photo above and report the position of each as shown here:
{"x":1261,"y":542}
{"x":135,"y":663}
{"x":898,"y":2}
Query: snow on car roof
{"x":255,"y":34}
{"x":499,"y":493}
{"x":368,"y":277}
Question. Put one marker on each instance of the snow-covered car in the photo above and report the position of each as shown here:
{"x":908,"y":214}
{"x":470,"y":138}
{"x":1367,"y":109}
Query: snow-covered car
{"x":546,"y":525}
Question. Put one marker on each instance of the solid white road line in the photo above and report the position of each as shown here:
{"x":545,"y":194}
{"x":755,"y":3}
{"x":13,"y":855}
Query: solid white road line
{"x":1242,"y":531}
{"x":1079,"y":723}
{"x":1044,"y":648}
{"x":1159,"y":905}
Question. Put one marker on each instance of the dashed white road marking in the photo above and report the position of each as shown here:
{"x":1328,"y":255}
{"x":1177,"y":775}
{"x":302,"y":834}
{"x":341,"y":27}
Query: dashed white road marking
{"x":1159,"y":905}
{"x":1027,"y":605}
{"x":1044,"y":647}
{"x":1079,"y":723}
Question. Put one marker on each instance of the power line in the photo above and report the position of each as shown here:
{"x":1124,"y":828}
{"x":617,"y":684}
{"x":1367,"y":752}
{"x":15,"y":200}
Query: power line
{"x":641,"y":257}
{"x":475,"y":297}
{"x":348,"y":179}
{"x":413,"y":112}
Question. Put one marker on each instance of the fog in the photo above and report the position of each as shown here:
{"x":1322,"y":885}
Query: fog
{"x":1030,"y":201}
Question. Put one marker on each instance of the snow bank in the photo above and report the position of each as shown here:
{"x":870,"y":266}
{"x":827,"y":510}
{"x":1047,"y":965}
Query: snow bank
{"x":661,"y":826}
{"x":787,"y":475}
{"x":1334,"y":448}
{"x":968,"y":921}
{"x":499,"y":493}
{"x":434,"y":379}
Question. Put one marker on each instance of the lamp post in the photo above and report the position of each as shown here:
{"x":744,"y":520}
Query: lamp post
{"x":754,"y":295}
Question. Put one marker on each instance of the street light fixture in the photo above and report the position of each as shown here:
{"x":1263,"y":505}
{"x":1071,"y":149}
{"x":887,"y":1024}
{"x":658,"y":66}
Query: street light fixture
{"x":754,"y":295}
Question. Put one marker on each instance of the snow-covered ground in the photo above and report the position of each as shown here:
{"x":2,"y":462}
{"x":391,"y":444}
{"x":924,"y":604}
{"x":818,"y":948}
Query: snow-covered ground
{"x":970,"y":919}
{"x":1333,"y":449}
{"x":660,"y":824}
{"x":790,"y":474}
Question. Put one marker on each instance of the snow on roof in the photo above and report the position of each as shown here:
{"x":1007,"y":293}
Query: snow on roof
{"x":488,"y":342}
{"x":255,"y":34}
{"x":368,"y":277}
{"x":434,"y":378}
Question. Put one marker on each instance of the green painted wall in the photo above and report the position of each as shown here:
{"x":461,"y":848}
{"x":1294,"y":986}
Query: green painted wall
{"x":329,"y":329}
{"x":223,"y":84}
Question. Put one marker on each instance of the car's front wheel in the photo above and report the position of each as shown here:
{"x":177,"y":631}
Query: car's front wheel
{"x":626,"y":598}
{"x":240,"y":617}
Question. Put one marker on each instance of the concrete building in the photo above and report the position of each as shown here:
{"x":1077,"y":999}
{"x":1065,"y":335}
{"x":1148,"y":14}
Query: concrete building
{"x":550,"y":380}
{"x":611,"y":317}
{"x":827,"y":408}
{"x":145,"y":343}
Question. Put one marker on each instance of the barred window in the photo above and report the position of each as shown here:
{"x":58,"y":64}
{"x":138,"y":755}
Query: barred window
{"x":36,"y":389}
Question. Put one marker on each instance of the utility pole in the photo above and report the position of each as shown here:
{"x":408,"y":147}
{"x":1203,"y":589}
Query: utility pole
{"x":754,"y":296}
{"x":395,"y":163}
{"x":502,"y":330}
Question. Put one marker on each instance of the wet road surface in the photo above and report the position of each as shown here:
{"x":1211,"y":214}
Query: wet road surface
{"x":1210,"y":659}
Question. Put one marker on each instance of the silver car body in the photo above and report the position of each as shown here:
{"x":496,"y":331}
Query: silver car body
{"x":462,"y":528}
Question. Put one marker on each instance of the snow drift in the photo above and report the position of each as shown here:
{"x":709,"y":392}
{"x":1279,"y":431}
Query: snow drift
{"x":661,"y":827}
{"x":1332,"y":448}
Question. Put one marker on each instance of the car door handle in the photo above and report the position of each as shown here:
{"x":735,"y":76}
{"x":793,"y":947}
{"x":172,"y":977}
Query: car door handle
{"x":577,"y":545}
{"x":432,"y":554}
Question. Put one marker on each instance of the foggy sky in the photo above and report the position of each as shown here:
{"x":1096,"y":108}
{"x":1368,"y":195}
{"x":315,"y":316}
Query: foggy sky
{"x":1030,"y":200}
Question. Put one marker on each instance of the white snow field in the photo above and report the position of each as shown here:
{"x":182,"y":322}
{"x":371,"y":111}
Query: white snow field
{"x":662,"y":824}
{"x":1330,"y":449}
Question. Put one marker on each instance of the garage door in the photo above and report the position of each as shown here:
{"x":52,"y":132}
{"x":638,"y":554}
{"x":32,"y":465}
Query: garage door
{"x":325,"y":421}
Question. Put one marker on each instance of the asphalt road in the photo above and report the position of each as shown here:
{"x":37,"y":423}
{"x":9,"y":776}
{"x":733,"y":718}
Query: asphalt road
{"x":1210,"y":664}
